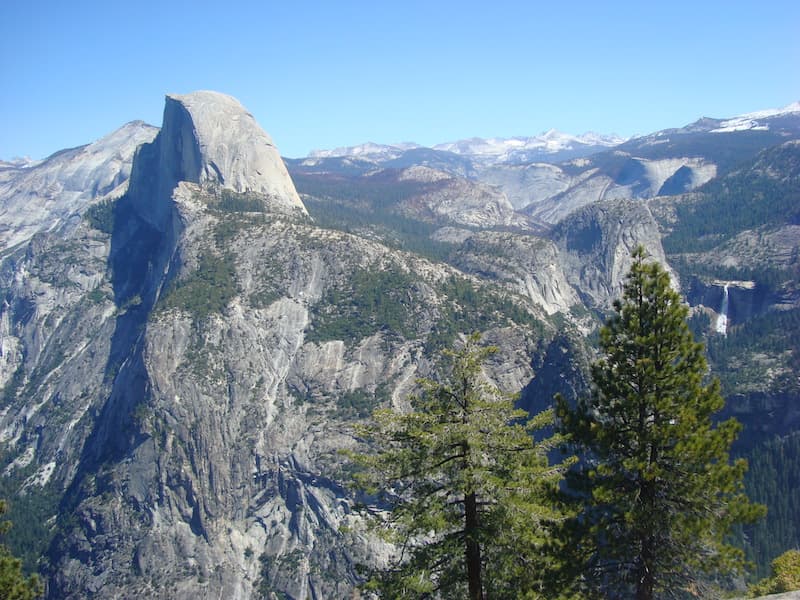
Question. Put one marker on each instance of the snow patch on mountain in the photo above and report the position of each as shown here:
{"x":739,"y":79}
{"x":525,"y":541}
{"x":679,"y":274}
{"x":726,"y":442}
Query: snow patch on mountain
{"x":368,"y":151}
{"x":518,"y":148}
{"x":753,"y":121}
{"x":488,"y":150}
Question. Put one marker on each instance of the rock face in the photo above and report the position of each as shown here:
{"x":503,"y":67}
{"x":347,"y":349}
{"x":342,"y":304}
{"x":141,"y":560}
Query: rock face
{"x":532,"y":266}
{"x":596,"y":245}
{"x":48,"y":194}
{"x":219,"y":142}
{"x":209,"y":139}
{"x":459,"y":200}
{"x":549,"y":193}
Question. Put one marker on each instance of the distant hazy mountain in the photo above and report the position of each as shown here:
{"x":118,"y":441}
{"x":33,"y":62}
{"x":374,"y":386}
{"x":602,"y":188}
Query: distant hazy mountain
{"x":549,"y":146}
{"x":554,"y":146}
{"x":553,"y":174}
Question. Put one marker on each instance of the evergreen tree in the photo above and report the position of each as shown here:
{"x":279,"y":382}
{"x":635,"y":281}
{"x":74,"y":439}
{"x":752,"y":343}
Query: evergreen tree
{"x":462,"y":488}
{"x":13,"y":584}
{"x":657,"y":492}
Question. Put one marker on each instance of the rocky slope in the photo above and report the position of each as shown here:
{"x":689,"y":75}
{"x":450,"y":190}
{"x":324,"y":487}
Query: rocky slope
{"x":48,"y":194}
{"x":457,"y":200}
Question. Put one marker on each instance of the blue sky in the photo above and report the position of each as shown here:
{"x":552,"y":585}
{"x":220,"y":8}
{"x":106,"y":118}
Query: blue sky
{"x":326,"y":74}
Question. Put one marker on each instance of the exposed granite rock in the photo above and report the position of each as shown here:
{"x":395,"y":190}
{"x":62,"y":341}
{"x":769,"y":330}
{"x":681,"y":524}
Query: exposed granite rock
{"x":550,"y":192}
{"x":209,"y":138}
{"x":530,"y":264}
{"x":234,"y":152}
{"x":459,"y":200}
{"x":54,"y":192}
{"x":596,"y":243}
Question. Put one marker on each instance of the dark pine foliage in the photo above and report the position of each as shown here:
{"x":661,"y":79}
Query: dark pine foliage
{"x":656,"y":493}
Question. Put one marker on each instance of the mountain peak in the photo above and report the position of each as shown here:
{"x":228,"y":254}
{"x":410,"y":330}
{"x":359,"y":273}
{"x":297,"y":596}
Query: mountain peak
{"x":41,"y":195}
{"x":758,"y":120}
{"x":220,"y":142}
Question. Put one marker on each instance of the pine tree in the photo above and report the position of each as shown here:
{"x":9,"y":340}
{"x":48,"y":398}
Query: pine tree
{"x":463,"y":488}
{"x":657,"y":492}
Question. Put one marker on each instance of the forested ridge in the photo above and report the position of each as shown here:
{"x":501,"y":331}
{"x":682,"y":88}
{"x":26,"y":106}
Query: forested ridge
{"x":764,"y":193}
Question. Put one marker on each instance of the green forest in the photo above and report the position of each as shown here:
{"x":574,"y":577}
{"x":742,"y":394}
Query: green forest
{"x":750,"y":198}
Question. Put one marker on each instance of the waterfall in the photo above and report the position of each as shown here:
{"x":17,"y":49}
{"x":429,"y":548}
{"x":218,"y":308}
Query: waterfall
{"x":722,"y":320}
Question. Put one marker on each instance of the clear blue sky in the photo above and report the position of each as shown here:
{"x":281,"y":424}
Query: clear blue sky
{"x":332,"y":73}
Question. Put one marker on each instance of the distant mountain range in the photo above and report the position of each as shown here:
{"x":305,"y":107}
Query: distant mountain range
{"x":549,"y":146}
{"x":551,"y":175}
{"x":552,"y":145}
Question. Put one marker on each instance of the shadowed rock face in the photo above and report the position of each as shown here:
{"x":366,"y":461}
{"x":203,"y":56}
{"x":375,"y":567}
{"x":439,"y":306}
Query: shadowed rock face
{"x":596,"y":243}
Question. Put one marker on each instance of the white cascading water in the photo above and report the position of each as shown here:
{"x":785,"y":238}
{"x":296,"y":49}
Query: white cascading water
{"x":722,"y":319}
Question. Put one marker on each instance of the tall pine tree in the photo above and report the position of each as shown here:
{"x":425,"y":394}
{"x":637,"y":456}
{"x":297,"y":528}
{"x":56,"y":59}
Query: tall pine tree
{"x":461,"y":488}
{"x":657,"y":492}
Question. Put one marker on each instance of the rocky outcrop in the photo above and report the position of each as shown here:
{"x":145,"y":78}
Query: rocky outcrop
{"x":530,"y":265}
{"x":210,"y":139}
{"x":226,"y":147}
{"x":596,"y":245}
{"x":458,"y":200}
{"x":54,"y":192}
{"x":202,"y":395}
